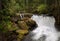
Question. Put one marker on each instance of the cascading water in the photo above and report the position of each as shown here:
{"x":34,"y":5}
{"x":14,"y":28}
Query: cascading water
{"x":45,"y":28}
{"x":45,"y":31}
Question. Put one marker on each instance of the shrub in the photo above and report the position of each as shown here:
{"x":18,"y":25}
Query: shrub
{"x":42,"y":8}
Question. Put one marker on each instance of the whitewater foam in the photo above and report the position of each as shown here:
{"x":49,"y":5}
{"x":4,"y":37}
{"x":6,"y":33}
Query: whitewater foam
{"x":45,"y":27}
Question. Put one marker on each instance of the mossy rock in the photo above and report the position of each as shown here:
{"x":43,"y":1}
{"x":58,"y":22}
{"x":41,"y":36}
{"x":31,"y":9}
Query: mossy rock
{"x":23,"y":25}
{"x":21,"y":34}
{"x":22,"y":31}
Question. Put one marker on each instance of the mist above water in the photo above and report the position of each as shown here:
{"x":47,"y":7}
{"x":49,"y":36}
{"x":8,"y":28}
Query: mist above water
{"x":45,"y":28}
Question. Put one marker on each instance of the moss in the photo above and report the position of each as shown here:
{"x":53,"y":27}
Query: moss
{"x":22,"y":31}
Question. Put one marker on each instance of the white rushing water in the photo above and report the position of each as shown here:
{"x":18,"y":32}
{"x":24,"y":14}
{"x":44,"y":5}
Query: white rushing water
{"x":45,"y":27}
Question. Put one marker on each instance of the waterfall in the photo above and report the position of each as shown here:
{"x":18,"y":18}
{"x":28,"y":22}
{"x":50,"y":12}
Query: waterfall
{"x":45,"y":27}
{"x":45,"y":31}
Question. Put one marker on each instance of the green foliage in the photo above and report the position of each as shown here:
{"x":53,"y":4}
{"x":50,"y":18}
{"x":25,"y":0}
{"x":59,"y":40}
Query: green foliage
{"x":10,"y":26}
{"x":42,"y":8}
{"x":3,"y":26}
{"x":9,"y":7}
{"x":7,"y":26}
{"x":14,"y":6}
